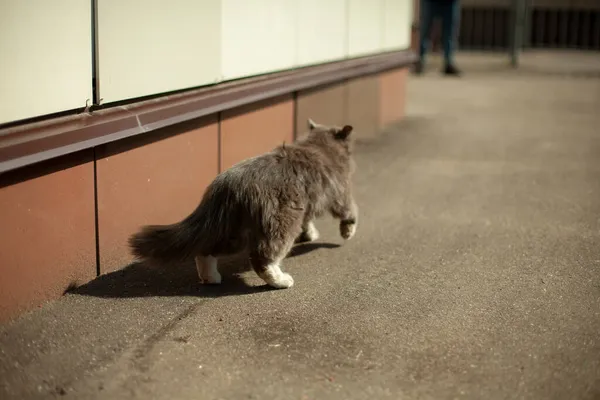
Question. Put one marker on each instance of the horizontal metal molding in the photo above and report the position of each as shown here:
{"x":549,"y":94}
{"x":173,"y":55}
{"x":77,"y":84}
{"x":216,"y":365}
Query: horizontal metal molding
{"x":28,"y":144}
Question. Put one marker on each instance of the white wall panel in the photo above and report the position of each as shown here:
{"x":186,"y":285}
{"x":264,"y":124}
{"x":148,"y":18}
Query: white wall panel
{"x":45,"y":57}
{"x":365,"y":30}
{"x":258,"y":36}
{"x":322,"y":31}
{"x":154,"y":46}
{"x":398,"y":16}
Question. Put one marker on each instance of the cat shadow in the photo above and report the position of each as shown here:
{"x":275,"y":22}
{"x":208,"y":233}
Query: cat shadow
{"x":140,"y":280}
{"x":301,"y":248}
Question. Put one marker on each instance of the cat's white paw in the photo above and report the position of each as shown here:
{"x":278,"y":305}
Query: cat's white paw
{"x":347,"y":230}
{"x":210,"y":279}
{"x":207,"y":270}
{"x":311,"y":233}
{"x":277,"y":279}
{"x":282,"y":281}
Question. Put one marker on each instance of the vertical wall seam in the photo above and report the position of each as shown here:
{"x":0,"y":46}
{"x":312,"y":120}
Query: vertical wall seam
{"x":382,"y":27}
{"x":219,"y":161}
{"x":96,"y":227}
{"x":346,"y":101}
{"x":295,"y":117}
{"x":347,"y":35}
{"x":95,"y":78}
{"x":345,"y":82}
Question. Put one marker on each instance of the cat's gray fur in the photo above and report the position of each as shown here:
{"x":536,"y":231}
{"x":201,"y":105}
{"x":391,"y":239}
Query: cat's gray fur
{"x":263,"y":204}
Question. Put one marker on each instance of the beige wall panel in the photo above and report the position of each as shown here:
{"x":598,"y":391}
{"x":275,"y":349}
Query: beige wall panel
{"x":363,"y":106}
{"x":324,"y":105}
{"x":258,"y":36}
{"x":46,"y":57}
{"x":392,"y":96}
{"x":47,"y":235}
{"x":398,"y":16}
{"x":365,"y":30}
{"x":152,"y":46}
{"x":322,"y":31}
{"x":159,"y":183}
{"x":254,"y":129}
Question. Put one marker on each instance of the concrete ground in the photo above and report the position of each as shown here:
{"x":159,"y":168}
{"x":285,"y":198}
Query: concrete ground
{"x":475,"y":273}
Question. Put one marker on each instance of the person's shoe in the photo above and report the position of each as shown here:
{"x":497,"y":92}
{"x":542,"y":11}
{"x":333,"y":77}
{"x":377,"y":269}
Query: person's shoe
{"x":418,"y":69}
{"x":451,"y":69}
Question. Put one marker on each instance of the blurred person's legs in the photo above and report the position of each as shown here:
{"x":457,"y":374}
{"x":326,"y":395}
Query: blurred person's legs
{"x":427,"y":13}
{"x":450,"y":11}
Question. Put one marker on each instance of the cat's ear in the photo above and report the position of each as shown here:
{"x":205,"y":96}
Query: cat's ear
{"x":342,"y":134}
{"x":312,"y":124}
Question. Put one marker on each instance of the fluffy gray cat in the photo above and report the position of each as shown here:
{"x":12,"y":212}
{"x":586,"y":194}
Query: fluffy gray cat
{"x":264,"y":205}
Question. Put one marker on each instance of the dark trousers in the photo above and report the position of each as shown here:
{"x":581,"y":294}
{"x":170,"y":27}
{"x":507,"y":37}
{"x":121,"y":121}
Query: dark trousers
{"x":449,"y":12}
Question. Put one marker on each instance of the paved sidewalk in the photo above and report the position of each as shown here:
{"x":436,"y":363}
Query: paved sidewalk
{"x":475,"y":274}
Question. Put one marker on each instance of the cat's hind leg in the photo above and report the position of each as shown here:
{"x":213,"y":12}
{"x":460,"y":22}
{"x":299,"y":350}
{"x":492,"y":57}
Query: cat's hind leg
{"x":269,"y":269}
{"x":309,"y":233}
{"x":266,"y":256}
{"x":271,"y":244}
{"x":207,"y":270}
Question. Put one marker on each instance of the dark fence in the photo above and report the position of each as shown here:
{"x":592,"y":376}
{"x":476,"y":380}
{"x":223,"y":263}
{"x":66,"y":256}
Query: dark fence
{"x":558,"y":24}
{"x":486,"y":28}
{"x":564,"y":28}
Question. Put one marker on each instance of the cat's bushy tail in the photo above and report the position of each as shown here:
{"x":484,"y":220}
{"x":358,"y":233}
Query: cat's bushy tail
{"x":196,"y":235}
{"x":167,"y":244}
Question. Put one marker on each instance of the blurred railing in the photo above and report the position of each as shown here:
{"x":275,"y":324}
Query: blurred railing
{"x":573,"y":25}
{"x":558,"y":24}
{"x":485,"y":25}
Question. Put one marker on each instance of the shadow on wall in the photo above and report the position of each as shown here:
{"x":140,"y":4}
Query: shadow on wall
{"x":139,"y":280}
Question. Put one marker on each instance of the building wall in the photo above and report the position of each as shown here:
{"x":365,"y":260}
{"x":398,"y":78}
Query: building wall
{"x":46,"y":53}
{"x":151,"y":183}
{"x":143,"y":48}
{"x":47,"y":239}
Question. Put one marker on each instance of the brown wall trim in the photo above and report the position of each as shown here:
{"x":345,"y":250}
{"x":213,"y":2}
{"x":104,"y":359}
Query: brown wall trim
{"x":32,"y":143}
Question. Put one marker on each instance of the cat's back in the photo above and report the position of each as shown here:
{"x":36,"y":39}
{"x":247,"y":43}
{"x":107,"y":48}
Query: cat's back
{"x":252,"y":168}
{"x":270,"y":171}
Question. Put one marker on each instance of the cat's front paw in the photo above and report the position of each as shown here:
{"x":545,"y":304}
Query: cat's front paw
{"x":347,"y":229}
